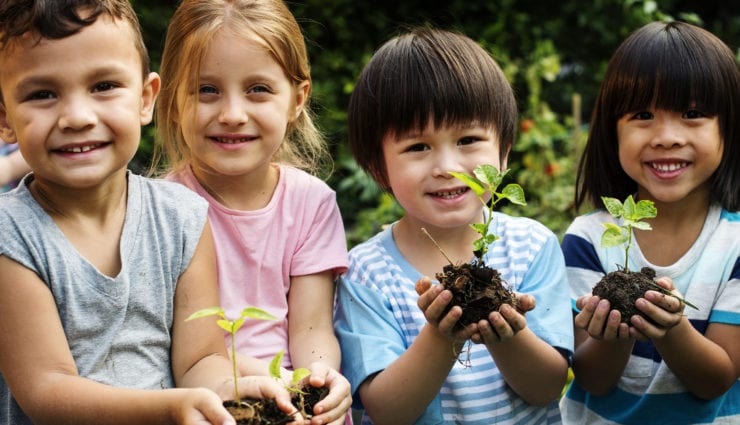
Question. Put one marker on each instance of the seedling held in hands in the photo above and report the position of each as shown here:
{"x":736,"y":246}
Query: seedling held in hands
{"x":232,"y":326}
{"x":486,"y":178}
{"x":298,"y":374}
{"x":632,"y":213}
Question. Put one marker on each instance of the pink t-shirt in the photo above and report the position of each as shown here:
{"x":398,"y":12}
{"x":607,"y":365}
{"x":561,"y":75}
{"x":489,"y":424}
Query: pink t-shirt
{"x":299,"y":232}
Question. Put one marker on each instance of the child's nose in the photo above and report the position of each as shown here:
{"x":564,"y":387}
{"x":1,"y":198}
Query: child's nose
{"x":668,"y":133}
{"x":77,"y":113}
{"x":233,"y":112}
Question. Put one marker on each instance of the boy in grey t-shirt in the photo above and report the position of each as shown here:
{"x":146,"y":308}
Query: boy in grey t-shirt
{"x":99,"y":268}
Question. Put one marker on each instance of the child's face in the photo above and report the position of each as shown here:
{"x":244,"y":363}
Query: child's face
{"x":417,"y":165}
{"x":76,"y":105}
{"x":238,"y":116}
{"x":671,"y":155}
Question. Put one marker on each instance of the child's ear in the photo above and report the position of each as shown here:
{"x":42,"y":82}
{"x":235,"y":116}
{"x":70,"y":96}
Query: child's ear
{"x":6,"y":132}
{"x":149,"y":94}
{"x":302,"y":91}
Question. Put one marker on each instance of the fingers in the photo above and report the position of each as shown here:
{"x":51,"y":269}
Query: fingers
{"x":423,"y":284}
{"x":334,"y":407}
{"x":501,"y":325}
{"x":525,"y":303}
{"x":266,"y":387}
{"x":201,"y":406}
{"x":597,"y":318}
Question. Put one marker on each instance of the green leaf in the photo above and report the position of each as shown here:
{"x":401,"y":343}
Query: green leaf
{"x":479,"y":227}
{"x":629,"y":208}
{"x":257,"y":313}
{"x":612,"y":236}
{"x":613,"y":205}
{"x":514,"y":193}
{"x":642,"y":225}
{"x":275,"y":365}
{"x":489,"y":175}
{"x":645,"y":209}
{"x":299,"y":374}
{"x":237,"y":324}
{"x":480,"y":245}
{"x":210,"y":311}
{"x":473,"y":183}
{"x":226,"y":325}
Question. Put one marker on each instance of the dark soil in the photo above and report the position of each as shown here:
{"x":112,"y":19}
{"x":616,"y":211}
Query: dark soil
{"x":307,"y":398}
{"x":257,"y":412}
{"x":622,"y":289}
{"x":477,"y":289}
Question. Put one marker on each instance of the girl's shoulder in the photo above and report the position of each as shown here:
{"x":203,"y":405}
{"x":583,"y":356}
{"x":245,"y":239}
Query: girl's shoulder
{"x":297,"y":180}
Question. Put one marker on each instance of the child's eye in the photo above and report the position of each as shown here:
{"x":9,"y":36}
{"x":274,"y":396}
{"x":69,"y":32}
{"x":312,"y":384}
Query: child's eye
{"x":417,"y":147}
{"x":206,"y":89}
{"x":260,"y":89}
{"x":40,"y":95}
{"x":468,"y":140}
{"x":104,"y":86}
{"x":642,"y":115}
{"x":693,"y":114}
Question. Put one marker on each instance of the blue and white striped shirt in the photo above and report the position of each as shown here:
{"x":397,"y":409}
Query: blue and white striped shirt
{"x":708,"y":275}
{"x":378,"y":319}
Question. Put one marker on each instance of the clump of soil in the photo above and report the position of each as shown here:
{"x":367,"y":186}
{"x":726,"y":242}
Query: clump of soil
{"x":257,"y":412}
{"x":307,"y":398}
{"x":477,"y":289}
{"x":266,"y":412}
{"x":623,"y":288}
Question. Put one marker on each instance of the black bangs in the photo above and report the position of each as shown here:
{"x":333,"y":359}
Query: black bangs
{"x":667,"y":74}
{"x":424,"y":81}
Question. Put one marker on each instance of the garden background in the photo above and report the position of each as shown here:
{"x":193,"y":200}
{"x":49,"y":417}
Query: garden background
{"x":553,"y":52}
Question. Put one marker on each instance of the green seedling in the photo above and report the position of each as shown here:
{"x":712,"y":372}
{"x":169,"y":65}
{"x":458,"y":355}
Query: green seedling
{"x":232,"y":326}
{"x":632,"y":214}
{"x":297,"y":376}
{"x":485,"y":179}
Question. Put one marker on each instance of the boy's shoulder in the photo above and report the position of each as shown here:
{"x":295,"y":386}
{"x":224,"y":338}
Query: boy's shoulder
{"x":169,"y":192}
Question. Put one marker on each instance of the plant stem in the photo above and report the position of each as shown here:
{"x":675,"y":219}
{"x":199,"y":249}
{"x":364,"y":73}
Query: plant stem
{"x":627,"y":249}
{"x":233,"y":364}
{"x":667,"y":292}
{"x":437,"y":245}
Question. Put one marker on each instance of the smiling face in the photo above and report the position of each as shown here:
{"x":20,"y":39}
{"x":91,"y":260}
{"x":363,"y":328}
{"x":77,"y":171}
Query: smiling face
{"x":671,"y":155}
{"x":417,"y":167}
{"x":76,"y":105}
{"x":237,"y":118}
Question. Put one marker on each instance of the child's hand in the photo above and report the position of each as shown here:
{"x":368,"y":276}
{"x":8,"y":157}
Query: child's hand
{"x":334,"y":407}
{"x":598,"y":320}
{"x":503,"y":324}
{"x":664,"y":310}
{"x":199,"y":406}
{"x":433,"y":300}
{"x":266,"y":387}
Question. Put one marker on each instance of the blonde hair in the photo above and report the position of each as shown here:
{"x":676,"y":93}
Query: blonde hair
{"x":193,"y":25}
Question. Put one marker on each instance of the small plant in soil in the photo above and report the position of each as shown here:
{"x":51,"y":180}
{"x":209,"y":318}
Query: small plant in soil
{"x":247,"y":411}
{"x":477,"y":288}
{"x":623,"y":287}
{"x":304,"y":397}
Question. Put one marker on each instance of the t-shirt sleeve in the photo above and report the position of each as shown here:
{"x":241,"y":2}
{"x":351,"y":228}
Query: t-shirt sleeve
{"x":546,"y":280}
{"x":324,"y":246}
{"x":369,"y":336}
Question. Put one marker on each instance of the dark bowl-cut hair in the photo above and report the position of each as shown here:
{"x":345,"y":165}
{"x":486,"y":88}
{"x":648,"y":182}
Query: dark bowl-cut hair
{"x":427,"y":76}
{"x":671,"y":66}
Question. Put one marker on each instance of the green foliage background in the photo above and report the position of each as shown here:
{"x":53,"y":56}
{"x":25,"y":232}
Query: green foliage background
{"x":553,"y":52}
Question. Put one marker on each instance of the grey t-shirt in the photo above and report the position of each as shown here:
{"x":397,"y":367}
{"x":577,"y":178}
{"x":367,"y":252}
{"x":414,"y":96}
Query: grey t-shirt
{"x":118,"y":329}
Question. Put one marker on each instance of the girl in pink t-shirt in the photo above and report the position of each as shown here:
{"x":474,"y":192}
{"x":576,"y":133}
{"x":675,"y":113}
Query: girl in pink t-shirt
{"x":235,"y":127}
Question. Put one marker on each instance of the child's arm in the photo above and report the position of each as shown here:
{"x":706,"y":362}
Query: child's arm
{"x":400,"y":393}
{"x":708,"y":365}
{"x":199,"y":357}
{"x":535,"y":370}
{"x":39,"y":369}
{"x":313,"y":343}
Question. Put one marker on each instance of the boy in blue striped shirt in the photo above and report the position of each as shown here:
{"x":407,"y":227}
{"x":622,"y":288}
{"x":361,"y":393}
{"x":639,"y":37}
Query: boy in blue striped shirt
{"x":430,"y":102}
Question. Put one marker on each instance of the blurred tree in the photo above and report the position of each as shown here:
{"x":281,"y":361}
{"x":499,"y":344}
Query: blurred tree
{"x":552,"y":52}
